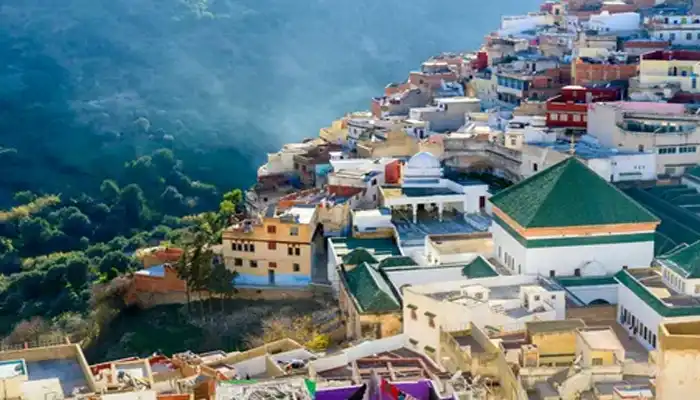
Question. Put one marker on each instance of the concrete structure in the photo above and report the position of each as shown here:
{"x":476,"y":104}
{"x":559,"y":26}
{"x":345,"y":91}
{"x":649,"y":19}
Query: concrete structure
{"x":37,"y":373}
{"x":569,"y":109}
{"x":586,"y":70}
{"x":274,"y":249}
{"x":648,"y":298}
{"x":605,"y":22}
{"x":665,"y":129}
{"x":677,"y":29}
{"x":670,"y":66}
{"x":677,"y":360}
{"x":535,"y":234}
{"x":498,"y":304}
{"x":423,"y":186}
{"x":448,"y":114}
{"x":610,"y":164}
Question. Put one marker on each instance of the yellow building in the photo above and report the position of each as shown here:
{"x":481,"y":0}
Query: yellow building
{"x":555,"y":341}
{"x":398,"y":144}
{"x":677,"y":361}
{"x":274,"y":249}
{"x":337,"y":133}
{"x":599,"y":347}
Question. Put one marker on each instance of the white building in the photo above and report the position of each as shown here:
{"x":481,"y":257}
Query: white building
{"x":514,"y":24}
{"x":606,"y":22}
{"x":448,"y":114}
{"x":497,"y":304}
{"x":650,"y":297}
{"x":663,"y":128}
{"x":424,"y":187}
{"x":611,"y":164}
{"x":678,"y":29}
{"x":567,"y":220}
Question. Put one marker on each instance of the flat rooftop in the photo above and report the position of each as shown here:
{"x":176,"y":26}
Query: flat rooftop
{"x":413,"y":234}
{"x":585,"y":150}
{"x":380,"y":248}
{"x":394,"y":192}
{"x":565,"y":325}
{"x":648,"y":285}
{"x":600,"y":338}
{"x":460,"y":243}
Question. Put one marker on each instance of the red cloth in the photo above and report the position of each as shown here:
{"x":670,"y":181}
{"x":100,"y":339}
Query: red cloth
{"x":390,"y":389}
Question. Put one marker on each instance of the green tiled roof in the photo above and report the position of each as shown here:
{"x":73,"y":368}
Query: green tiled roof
{"x":396,"y":261}
{"x":358,"y":256}
{"x":379,"y":248}
{"x":685,"y":261}
{"x":478,"y":268}
{"x":371,"y":292}
{"x":568,"y":194}
{"x":652,"y":301}
{"x":586,"y":281}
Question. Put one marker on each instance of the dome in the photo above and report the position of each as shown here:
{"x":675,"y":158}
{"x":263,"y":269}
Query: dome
{"x":423,"y":160}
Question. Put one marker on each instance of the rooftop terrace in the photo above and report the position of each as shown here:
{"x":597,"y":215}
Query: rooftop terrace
{"x":379,"y":248}
{"x":648,"y":285}
{"x":411,"y":234}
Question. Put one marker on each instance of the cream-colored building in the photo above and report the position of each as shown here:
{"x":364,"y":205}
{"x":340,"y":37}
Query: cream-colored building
{"x":677,"y":361}
{"x":273,"y":249}
{"x":664,"y":128}
{"x":494,"y":303}
{"x":397,"y":143}
{"x":669,"y":66}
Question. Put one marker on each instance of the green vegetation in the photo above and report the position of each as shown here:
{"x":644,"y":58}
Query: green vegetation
{"x":55,"y":250}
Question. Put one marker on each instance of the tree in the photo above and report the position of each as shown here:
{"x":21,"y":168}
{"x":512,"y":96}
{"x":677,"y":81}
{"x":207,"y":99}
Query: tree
{"x":116,"y":263}
{"x":24,"y":197}
{"x":221,"y":282}
{"x":133,"y":206}
{"x":110,"y":191}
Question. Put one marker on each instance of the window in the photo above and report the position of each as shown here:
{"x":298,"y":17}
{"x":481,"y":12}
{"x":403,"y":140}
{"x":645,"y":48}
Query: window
{"x":640,"y":148}
{"x":552,"y":273}
{"x":536,"y":298}
{"x":271,"y":229}
{"x":670,"y":170}
{"x":672,"y":36}
{"x":252,"y":248}
{"x":534,"y":167}
{"x":668,"y":150}
{"x":253,"y":264}
{"x":431,"y":322}
{"x":414,"y":314}
{"x":661,"y":35}
{"x":234,"y":246}
{"x":272,"y":264}
{"x":577,"y":272}
{"x":237,"y":262}
{"x":597,"y":361}
{"x":271,"y":245}
{"x":413,"y":341}
{"x":577,"y":118}
{"x":374,"y":182}
{"x":687,"y":149}
{"x":554,"y":117}
{"x":689,"y":36}
{"x":296,"y":267}
{"x":513,"y":141}
{"x":697,"y":288}
{"x":653,"y":340}
{"x":297,"y":251}
{"x":290,"y":251}
{"x":624,"y":267}
{"x":563,"y":117}
{"x":245,"y":247}
{"x":294,"y":231}
{"x":240,"y":246}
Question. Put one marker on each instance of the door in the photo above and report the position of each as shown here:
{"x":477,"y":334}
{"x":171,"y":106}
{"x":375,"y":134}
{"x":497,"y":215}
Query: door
{"x":271,"y":276}
{"x":482,"y":202}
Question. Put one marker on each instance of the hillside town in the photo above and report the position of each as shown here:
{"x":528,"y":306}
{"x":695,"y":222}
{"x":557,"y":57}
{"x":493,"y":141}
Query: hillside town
{"x":517,"y":222}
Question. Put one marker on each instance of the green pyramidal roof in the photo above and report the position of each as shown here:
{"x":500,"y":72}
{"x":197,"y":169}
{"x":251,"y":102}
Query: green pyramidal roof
{"x":685,"y":261}
{"x":569,"y":194}
{"x":371,"y":292}
{"x":478,"y":268}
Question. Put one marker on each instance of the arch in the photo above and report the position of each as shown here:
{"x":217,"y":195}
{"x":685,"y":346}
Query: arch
{"x":598,"y":302}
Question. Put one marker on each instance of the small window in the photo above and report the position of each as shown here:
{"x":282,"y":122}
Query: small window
{"x":374,"y":182}
{"x":252,"y":248}
{"x":271,"y":229}
{"x":272,"y":264}
{"x":552,"y":273}
{"x":535,"y":167}
{"x":577,"y":118}
{"x":597,"y":361}
{"x":290,"y":251}
{"x":296,"y":267}
{"x":297,"y":251}
{"x":271,"y":246}
{"x":294,"y":231}
{"x":414,"y":314}
{"x":431,"y":322}
{"x":253,"y":264}
{"x":238,"y":262}
{"x":240,"y":246}
{"x":245,"y":247}
{"x":554,"y":116}
{"x":689,"y":36}
{"x":577,"y":272}
{"x":233,"y":246}
{"x":536,"y":298}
